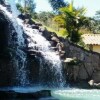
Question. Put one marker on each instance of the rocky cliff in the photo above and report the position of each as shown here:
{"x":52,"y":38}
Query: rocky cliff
{"x":83,"y":64}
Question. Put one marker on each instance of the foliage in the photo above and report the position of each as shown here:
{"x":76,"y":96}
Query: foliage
{"x":20,"y":8}
{"x":29,"y":6}
{"x":60,"y":21}
{"x":96,"y":23}
{"x":56,"y":4}
{"x":74,"y":19}
{"x":97,"y":15}
{"x":66,"y":21}
{"x":44,"y":17}
{"x":63,"y":33}
{"x":94,"y":26}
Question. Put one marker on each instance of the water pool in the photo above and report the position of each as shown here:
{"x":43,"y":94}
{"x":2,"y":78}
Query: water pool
{"x":76,"y":94}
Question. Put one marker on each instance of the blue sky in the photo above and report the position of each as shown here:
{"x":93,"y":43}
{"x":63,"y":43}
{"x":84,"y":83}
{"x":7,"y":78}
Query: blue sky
{"x":91,"y":5}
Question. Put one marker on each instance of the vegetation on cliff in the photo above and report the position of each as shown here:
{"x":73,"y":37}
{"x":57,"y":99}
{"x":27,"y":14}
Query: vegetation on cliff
{"x":66,"y":20}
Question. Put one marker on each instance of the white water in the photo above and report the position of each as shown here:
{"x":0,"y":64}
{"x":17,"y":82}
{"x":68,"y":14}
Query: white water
{"x":77,"y":94}
{"x":21,"y":73}
{"x":36,"y":42}
{"x":39,"y":43}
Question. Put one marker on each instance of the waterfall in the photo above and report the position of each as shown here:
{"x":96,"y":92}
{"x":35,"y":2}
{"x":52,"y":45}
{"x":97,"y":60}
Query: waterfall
{"x":19,"y":59}
{"x":50,"y":63}
{"x":50,"y":72}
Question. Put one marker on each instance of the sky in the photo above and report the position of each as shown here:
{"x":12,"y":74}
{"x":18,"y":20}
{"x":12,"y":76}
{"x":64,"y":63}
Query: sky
{"x":91,"y":5}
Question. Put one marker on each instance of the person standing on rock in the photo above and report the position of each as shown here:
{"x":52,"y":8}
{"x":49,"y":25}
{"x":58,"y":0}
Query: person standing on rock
{"x":59,"y":47}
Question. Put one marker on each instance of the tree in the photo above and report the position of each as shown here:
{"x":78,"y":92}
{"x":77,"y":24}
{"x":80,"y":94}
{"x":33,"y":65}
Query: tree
{"x":97,"y":15}
{"x":74,"y":19}
{"x":29,"y":6}
{"x":95,"y":23}
{"x":45,"y":17}
{"x":56,"y":4}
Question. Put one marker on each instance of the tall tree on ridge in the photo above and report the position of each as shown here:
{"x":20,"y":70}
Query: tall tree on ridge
{"x":56,"y":4}
{"x":72,"y":19}
{"x":29,"y":6}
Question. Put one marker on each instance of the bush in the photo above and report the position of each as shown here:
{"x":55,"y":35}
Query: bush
{"x":63,"y":33}
{"x":20,"y":8}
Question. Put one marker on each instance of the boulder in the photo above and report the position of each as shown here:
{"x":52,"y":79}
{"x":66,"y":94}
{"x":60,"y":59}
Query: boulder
{"x":16,"y":95}
{"x":2,"y":2}
{"x":47,"y":34}
{"x":26,"y":21}
{"x":96,"y":76}
{"x":91,"y":82}
{"x":24,"y":16}
{"x":21,"y":16}
{"x":31,"y":22}
{"x":9,"y":8}
{"x":41,"y":29}
{"x":68,"y":60}
{"x":35,"y":26}
{"x":38,"y":24}
{"x":55,"y":39}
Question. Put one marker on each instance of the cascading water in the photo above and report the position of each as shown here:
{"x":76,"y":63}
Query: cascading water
{"x":50,"y":64}
{"x":21,"y":65}
{"x":19,"y":59}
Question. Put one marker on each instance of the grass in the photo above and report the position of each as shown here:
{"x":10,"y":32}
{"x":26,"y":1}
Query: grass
{"x":59,"y":33}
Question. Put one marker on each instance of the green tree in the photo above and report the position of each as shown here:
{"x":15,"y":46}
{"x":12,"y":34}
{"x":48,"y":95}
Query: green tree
{"x":56,"y":4}
{"x":29,"y":6}
{"x":97,"y":16}
{"x":94,"y":23}
{"x":45,"y":17}
{"x":74,"y":19}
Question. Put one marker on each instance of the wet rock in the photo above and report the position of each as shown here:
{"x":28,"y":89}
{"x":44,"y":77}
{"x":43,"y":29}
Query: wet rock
{"x":31,"y":22}
{"x":47,"y":34}
{"x":55,"y":39}
{"x":54,"y":48}
{"x":26,"y":21}
{"x":91,"y":82}
{"x":15,"y":95}
{"x":96,"y":76}
{"x":68,"y":60}
{"x":21,"y":16}
{"x":2,"y":2}
{"x":38,"y":24}
{"x":35,"y":26}
{"x":9,"y":8}
{"x":41,"y":29}
{"x":24,"y":16}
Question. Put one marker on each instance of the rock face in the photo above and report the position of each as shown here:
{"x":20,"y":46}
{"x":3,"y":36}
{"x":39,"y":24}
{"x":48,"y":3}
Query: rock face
{"x":8,"y":54}
{"x":5,"y":56}
{"x":2,"y":2}
{"x":88,"y":67}
{"x":90,"y":61}
{"x":6,"y":95}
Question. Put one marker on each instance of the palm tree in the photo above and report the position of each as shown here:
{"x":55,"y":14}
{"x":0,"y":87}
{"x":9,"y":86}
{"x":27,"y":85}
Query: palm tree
{"x":74,"y":19}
